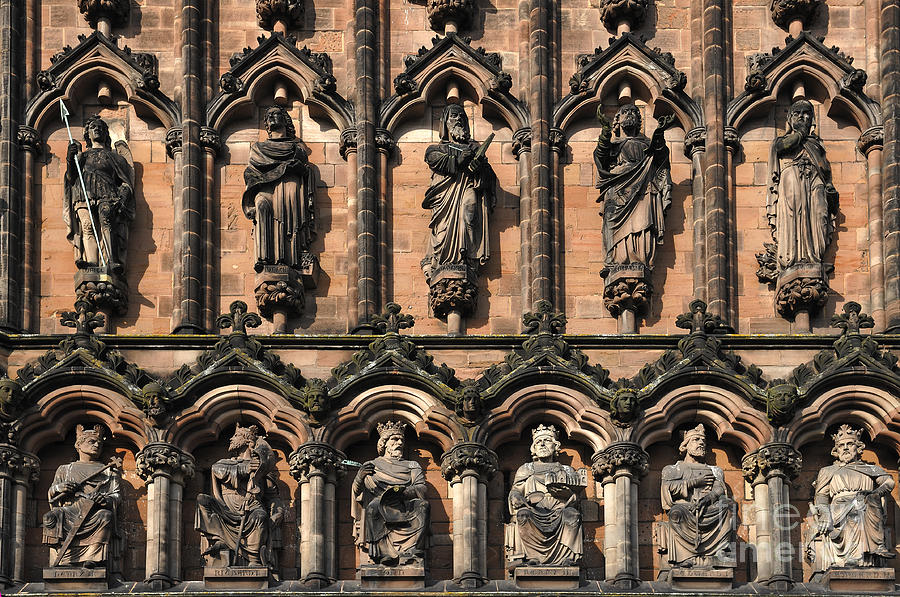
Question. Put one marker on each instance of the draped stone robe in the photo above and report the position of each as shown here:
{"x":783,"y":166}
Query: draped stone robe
{"x":280,"y":197}
{"x":635,"y":184}
{"x":390,"y":513}
{"x":693,"y":535}
{"x":857,"y":515}
{"x":98,"y":540}
{"x":460,"y":202}
{"x":547,"y":530}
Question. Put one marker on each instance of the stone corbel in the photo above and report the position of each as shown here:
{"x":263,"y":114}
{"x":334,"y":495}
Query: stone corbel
{"x":449,"y":16}
{"x":793,"y":15}
{"x":623,"y":16}
{"x":280,"y":15}
{"x":468,"y":466}
{"x":164,"y":468}
{"x":619,"y":468}
{"x":317,"y":467}
{"x":103,"y":15}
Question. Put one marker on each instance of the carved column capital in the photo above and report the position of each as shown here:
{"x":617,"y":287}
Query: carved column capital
{"x":521,"y":141}
{"x":174,"y":138}
{"x":162,"y":459}
{"x":384,"y":141}
{"x":614,"y":12}
{"x":348,"y":142}
{"x":290,"y":12}
{"x":114,"y":11}
{"x":620,"y":458}
{"x":316,"y":458}
{"x":786,"y":11}
{"x":871,"y":138}
{"x":469,"y":458}
{"x":459,"y":12}
{"x":557,"y":141}
{"x":29,"y":139}
{"x":210,"y":140}
{"x":771,"y":460}
{"x":695,"y":141}
{"x":18,"y":465}
{"x":732,"y":141}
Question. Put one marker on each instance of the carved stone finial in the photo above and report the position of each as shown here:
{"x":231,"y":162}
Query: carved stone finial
{"x":115,"y":12}
{"x":392,"y":320}
{"x":458,"y":13}
{"x":852,"y":319}
{"x":84,"y":319}
{"x":289,"y":12}
{"x":238,"y":319}
{"x":614,"y":12}
{"x":786,"y":11}
{"x":544,"y":321}
{"x":698,"y":321}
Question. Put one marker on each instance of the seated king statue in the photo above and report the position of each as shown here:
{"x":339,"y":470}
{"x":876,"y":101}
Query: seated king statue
{"x":240,"y":520}
{"x":700,"y":530}
{"x":82,"y":526}
{"x":848,"y":516}
{"x":545,"y":529}
{"x":389,"y":508}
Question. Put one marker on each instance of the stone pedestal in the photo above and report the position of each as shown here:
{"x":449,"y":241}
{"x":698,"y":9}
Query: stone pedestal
{"x":857,"y":580}
{"x":550,"y":578}
{"x":626,"y":294}
{"x":106,"y":292}
{"x":75,"y":580}
{"x":453,"y":290}
{"x":800,"y":292}
{"x":374,"y":576}
{"x":236,"y":578}
{"x":699,"y":579}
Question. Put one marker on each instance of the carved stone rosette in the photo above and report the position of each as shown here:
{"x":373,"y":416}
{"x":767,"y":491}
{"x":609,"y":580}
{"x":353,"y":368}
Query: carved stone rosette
{"x":116,"y":12}
{"x":469,"y":458}
{"x":620,"y":458}
{"x":774,"y":459}
{"x":164,"y":459}
{"x":786,"y":11}
{"x":453,"y":290}
{"x":626,"y":290}
{"x":614,"y":12}
{"x":289,"y":12}
{"x":458,"y":12}
{"x":316,"y":458}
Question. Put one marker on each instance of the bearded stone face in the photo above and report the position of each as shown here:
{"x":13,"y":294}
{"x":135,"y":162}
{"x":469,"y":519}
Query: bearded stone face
{"x":846,"y":450}
{"x":696,"y":447}
{"x":801,"y":119}
{"x":393,"y":447}
{"x":458,"y":126}
{"x":629,"y":120}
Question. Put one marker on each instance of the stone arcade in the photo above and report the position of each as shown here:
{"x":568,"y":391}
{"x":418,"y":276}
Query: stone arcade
{"x":449,"y":296}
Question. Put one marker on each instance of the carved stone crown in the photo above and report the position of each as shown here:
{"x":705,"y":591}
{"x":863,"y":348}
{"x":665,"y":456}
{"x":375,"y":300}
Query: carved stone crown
{"x":544,"y":430}
{"x":846,"y":431}
{"x":390,"y":428}
{"x":250,"y":434}
{"x":82,"y":432}
{"x":697,"y":431}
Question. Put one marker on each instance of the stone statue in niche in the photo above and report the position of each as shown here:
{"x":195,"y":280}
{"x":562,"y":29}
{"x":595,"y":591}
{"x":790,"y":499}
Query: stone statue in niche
{"x":461,"y":197}
{"x":801,"y":205}
{"x":98,"y":225}
{"x":847,"y":526}
{"x":545,"y":527}
{"x":82,"y":527}
{"x":280,"y":199}
{"x":635,"y":183}
{"x":699,"y":532}
{"x":98,"y":215}
{"x":390,"y":513}
{"x":240,"y":521}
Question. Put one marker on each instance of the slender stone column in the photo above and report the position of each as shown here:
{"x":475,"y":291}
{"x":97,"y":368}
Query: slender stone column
{"x":871,"y":144}
{"x":694,"y":146}
{"x":541,"y":96}
{"x":619,"y":467}
{"x":164,"y":468}
{"x":317,"y":466}
{"x":211,"y":143}
{"x":890,"y":109}
{"x":768,"y":469}
{"x":522,"y":151}
{"x":30,"y":143}
{"x":468,"y":466}
{"x":17,"y":471}
{"x":348,"y":152}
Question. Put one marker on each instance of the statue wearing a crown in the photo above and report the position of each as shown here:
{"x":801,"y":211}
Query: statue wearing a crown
{"x":699,"y":532}
{"x":239,"y":520}
{"x":82,"y":526}
{"x":389,"y":509}
{"x":545,"y":527}
{"x":848,"y":516}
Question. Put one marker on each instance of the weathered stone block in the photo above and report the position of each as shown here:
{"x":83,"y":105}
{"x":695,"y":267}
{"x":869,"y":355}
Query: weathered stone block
{"x":551,"y":578}
{"x":57,"y":580}
{"x":236,"y":578}
{"x":858,"y":580}
{"x":374,"y":576}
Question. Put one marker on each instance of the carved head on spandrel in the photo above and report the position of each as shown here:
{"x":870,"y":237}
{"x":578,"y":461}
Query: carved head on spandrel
{"x":11,"y":398}
{"x":96,"y":132}
{"x":627,"y":122}
{"x":455,"y":124}
{"x":624,"y":407}
{"x":279,"y":124}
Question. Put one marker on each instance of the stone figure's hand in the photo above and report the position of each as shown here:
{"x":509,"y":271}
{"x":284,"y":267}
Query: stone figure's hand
{"x":704,"y":481}
{"x":68,"y":488}
{"x":605,"y":125}
{"x":830,"y":191}
{"x":123,"y":193}
{"x":102,"y":500}
{"x":367,"y":468}
{"x":475,"y":165}
{"x":466,"y":156}
{"x":516,"y":500}
{"x":74,"y":149}
{"x":704,"y":501}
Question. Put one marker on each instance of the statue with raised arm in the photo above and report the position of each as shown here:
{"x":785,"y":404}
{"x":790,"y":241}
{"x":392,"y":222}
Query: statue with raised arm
{"x":82,"y":527}
{"x":98,"y":224}
{"x":635,"y":183}
{"x":848,"y":527}
{"x":699,"y":532}
{"x":240,"y":520}
{"x":801,"y":206}
{"x":545,"y":527}
{"x":390,"y":512}
{"x":461,"y":197}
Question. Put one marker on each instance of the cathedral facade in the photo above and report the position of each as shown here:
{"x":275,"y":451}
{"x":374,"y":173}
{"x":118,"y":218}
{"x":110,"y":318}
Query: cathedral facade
{"x":463,"y":295}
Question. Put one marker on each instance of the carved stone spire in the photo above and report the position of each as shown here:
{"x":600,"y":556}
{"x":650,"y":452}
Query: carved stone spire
{"x":280,"y":15}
